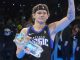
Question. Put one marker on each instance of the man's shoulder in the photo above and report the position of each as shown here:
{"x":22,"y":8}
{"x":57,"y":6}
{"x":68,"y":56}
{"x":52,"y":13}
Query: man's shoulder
{"x":25,"y":30}
{"x":52,"y":24}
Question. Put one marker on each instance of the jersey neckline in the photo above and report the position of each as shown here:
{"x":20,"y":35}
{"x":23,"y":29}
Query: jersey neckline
{"x":38,"y":31}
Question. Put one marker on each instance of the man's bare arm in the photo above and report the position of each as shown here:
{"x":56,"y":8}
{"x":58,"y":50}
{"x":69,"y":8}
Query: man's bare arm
{"x":63,"y":23}
{"x":71,"y":10}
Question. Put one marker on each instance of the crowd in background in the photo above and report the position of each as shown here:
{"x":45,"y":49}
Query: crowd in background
{"x":8,"y":30}
{"x":68,"y":44}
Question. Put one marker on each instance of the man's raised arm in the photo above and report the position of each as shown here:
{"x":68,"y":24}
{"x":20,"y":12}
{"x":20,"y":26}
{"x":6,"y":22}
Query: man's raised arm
{"x":71,"y":10}
{"x":63,"y":23}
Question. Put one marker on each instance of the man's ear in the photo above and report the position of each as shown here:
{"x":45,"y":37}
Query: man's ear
{"x":33,"y":15}
{"x":48,"y":15}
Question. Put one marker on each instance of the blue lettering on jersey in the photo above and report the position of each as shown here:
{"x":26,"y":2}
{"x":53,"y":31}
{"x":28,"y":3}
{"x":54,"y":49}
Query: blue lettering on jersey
{"x":40,"y":40}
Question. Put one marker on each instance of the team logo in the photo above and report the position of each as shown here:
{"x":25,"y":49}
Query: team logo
{"x":40,"y":40}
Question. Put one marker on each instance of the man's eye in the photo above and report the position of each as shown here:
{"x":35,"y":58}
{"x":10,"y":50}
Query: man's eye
{"x":44,"y":13}
{"x":39,"y":12}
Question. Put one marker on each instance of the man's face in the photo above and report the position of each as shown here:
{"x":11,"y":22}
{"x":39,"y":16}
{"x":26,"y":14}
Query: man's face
{"x":41,"y":16}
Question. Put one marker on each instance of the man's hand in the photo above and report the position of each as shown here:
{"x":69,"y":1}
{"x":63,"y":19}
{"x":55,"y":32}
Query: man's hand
{"x":27,"y":38}
{"x":27,"y":50}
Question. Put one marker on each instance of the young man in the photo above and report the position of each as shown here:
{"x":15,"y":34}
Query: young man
{"x":41,"y":33}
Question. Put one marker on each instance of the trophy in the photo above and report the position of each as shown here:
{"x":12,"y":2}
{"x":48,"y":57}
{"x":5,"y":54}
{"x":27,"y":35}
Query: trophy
{"x":28,"y":47}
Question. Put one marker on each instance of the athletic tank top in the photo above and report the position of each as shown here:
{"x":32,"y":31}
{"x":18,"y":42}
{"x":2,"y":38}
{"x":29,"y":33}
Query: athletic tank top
{"x":43,"y":38}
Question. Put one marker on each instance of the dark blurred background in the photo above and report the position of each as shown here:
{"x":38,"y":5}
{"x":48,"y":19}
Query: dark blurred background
{"x":16,"y":9}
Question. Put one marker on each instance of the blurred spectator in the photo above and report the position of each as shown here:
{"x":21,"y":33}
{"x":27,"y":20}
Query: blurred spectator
{"x":9,"y":50}
{"x":76,"y":41}
{"x":65,"y":44}
{"x":69,"y":43}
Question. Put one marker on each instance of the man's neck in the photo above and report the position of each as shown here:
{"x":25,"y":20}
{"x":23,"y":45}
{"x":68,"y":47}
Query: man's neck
{"x":38,"y":26}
